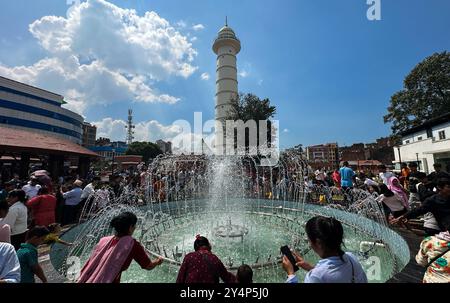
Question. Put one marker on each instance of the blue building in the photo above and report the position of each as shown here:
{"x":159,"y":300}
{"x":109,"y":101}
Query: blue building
{"x":107,"y":151}
{"x":29,"y":108}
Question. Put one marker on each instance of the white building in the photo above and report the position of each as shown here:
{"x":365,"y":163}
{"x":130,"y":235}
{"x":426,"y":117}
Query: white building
{"x":226,"y":47}
{"x":426,"y":144}
{"x":30,"y":108}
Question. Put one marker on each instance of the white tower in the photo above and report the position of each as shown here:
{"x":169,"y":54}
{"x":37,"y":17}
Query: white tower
{"x":226,"y":47}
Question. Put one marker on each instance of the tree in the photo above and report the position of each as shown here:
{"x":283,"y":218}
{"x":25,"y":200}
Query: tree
{"x":426,"y":94}
{"x":147,"y":150}
{"x":248,"y":107}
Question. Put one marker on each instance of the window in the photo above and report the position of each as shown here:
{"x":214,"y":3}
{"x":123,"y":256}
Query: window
{"x":419,"y":138}
{"x":442,"y":135}
{"x":407,"y":142}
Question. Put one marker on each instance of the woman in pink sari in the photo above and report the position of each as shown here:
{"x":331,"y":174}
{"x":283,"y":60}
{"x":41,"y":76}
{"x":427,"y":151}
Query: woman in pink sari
{"x":114,"y":254}
{"x":395,"y":186}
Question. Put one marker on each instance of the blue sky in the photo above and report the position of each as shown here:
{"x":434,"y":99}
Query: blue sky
{"x":328,"y":69}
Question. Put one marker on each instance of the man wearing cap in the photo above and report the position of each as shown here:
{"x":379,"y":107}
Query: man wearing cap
{"x":32,"y":188}
{"x":72,"y":200}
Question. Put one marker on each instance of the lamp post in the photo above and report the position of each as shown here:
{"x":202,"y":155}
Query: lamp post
{"x":399,"y":155}
{"x":113,"y":159}
{"x":417,"y":157}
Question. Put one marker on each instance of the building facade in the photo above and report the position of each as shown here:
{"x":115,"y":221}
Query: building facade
{"x":166,"y":147}
{"x":89,"y":134}
{"x":29,"y":108}
{"x":323,"y":156}
{"x":426,"y":144}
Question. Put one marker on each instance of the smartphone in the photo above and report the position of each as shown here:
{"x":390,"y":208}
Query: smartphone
{"x":285,"y":250}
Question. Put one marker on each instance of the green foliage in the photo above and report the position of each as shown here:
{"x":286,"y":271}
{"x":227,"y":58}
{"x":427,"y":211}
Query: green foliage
{"x":426,"y":94}
{"x":250,"y":107}
{"x":247,"y":107}
{"x":147,"y":150}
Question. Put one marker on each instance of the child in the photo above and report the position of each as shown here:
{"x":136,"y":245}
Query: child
{"x":28,"y":255}
{"x":244,"y":274}
{"x":53,"y":237}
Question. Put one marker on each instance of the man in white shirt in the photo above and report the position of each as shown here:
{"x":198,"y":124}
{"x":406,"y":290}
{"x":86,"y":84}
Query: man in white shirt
{"x":9,"y":264}
{"x":32,"y":188}
{"x":72,"y":200}
{"x":385,"y":175}
{"x":90,"y":188}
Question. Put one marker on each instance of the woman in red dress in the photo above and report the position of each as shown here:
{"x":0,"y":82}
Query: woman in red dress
{"x":43,"y":208}
{"x":114,"y":254}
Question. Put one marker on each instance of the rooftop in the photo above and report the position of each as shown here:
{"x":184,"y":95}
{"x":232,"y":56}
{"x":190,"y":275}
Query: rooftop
{"x":7,"y":81}
{"x":430,"y":123}
{"x":17,"y":140}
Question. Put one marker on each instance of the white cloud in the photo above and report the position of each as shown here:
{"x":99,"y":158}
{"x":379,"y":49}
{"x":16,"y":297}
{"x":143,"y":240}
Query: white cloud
{"x":193,"y":39}
{"x":181,"y":24}
{"x":243,"y":73}
{"x":145,"y":131}
{"x":198,"y":27}
{"x":205,"y":76}
{"x":285,"y":130}
{"x":184,"y":141}
{"x":103,"y":54}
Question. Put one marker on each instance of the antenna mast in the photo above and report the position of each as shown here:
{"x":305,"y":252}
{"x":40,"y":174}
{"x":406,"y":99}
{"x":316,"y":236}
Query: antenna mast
{"x":130,"y":127}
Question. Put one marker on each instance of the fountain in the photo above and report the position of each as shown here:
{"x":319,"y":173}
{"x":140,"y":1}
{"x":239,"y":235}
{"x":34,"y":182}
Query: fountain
{"x":247,"y":211}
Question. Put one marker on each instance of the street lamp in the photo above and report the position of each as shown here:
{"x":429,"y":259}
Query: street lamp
{"x":113,"y":158}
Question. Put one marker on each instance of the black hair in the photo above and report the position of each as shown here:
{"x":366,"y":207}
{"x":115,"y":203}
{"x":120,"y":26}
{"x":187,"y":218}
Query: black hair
{"x":421,"y":175}
{"x":4,"y":205}
{"x":328,"y":230}
{"x":413,"y":164}
{"x":19,"y":194}
{"x":386,"y":191}
{"x":381,"y":166}
{"x":123,"y":222}
{"x":345,"y":163}
{"x":52,"y":227}
{"x":38,"y":231}
{"x":437,"y":165}
{"x":97,"y":179}
{"x":244,"y":274}
{"x":43,"y":191}
{"x":201,"y":242}
{"x":442,"y":182}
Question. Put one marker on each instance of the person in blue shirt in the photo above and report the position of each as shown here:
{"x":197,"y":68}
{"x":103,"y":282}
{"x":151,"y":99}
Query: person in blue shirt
{"x":325,"y":237}
{"x":347,"y":176}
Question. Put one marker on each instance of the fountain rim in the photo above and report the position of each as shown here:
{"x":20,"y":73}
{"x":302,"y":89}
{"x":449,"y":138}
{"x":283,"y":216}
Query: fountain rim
{"x":298,"y":210}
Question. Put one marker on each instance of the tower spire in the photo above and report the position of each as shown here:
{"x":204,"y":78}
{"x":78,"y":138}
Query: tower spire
{"x":226,"y":20}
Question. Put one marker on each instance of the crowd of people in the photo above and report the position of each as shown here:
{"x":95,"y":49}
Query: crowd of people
{"x":32,"y":213}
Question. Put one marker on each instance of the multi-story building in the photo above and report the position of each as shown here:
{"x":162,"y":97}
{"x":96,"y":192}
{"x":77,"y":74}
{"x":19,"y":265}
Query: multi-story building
{"x":33,"y":109}
{"x":381,"y":150}
{"x":108,"y":150}
{"x":323,"y":156}
{"x":166,"y":147}
{"x":426,"y":144}
{"x":89,"y":134}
